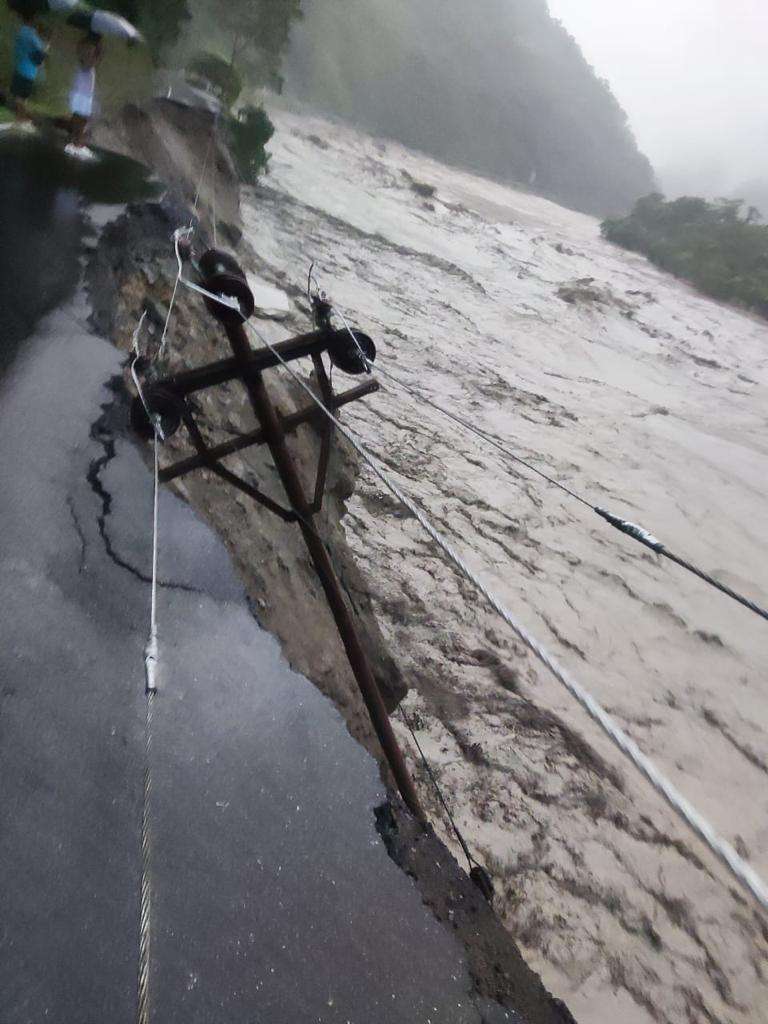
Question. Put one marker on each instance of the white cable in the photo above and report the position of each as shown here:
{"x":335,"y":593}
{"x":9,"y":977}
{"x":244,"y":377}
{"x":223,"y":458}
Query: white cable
{"x":151,"y":652}
{"x":177,"y":236}
{"x":366,"y":361}
{"x":223,"y":300}
{"x":137,"y":333}
{"x":745,"y":875}
{"x":151,"y":659}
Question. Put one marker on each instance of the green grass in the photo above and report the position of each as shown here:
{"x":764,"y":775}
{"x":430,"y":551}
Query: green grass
{"x":125,"y":74}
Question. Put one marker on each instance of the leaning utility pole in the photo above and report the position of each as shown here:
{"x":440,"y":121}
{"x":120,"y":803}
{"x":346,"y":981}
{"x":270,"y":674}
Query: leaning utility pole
{"x":166,"y":400}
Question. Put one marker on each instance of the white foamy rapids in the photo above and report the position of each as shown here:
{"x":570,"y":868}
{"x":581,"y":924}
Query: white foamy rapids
{"x":650,"y":400}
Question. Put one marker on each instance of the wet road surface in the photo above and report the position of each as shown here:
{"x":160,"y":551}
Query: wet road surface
{"x":273,"y":897}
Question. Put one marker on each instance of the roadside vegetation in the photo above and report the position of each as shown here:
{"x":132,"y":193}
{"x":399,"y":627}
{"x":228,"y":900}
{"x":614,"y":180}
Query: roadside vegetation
{"x":247,"y":126}
{"x":247,"y":40}
{"x":719,"y":247}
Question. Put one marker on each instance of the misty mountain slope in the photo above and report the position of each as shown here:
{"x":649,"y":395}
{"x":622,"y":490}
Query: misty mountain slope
{"x":496,"y":86}
{"x":649,"y":399}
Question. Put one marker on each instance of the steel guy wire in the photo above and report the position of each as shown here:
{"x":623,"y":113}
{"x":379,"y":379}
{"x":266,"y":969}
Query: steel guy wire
{"x":630,"y":529}
{"x":438,"y":789}
{"x":145,"y":913}
{"x":201,"y":179}
{"x":744,"y":874}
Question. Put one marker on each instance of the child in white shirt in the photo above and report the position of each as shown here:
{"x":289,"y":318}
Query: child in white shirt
{"x":81,"y":97}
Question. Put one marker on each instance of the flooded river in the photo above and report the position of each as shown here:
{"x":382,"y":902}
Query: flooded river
{"x":649,"y":400}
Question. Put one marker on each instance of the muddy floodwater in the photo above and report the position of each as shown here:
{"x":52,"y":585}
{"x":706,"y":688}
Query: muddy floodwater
{"x":647,"y":399}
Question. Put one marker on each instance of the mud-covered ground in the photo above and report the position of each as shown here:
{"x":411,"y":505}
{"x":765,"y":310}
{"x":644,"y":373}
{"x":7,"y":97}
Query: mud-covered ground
{"x":651,"y":401}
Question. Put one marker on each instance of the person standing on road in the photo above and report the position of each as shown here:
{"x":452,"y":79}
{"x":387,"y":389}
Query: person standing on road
{"x":30,"y":52}
{"x":81,"y":97}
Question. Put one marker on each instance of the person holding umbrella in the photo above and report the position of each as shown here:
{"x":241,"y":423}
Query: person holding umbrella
{"x":31,"y":51}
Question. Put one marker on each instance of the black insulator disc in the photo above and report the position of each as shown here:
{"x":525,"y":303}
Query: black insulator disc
{"x":345,"y":354}
{"x":215,"y":261}
{"x":229,"y":286}
{"x":164,"y":404}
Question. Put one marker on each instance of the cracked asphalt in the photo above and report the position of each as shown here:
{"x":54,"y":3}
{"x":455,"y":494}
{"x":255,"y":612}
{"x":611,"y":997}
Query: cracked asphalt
{"x":274,"y":899}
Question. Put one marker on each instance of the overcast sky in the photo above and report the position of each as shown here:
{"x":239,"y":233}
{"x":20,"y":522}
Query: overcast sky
{"x":693,"y":77}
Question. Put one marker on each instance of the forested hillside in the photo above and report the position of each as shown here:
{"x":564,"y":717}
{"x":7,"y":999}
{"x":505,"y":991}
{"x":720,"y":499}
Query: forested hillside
{"x":718,"y":247}
{"x":497,"y":85}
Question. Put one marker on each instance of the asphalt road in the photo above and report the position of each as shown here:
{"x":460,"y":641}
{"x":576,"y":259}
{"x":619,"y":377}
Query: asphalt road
{"x":274,"y":900}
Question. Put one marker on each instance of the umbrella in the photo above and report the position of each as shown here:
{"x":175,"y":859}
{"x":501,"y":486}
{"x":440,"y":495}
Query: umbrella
{"x":79,"y":15}
{"x":103,"y":23}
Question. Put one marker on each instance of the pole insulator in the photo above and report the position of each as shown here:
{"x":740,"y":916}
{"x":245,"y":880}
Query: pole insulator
{"x":345,"y":351}
{"x":222,"y":275}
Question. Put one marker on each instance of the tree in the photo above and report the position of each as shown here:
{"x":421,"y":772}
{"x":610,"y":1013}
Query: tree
{"x":217,"y":73}
{"x":498,"y":86}
{"x":249,"y":132}
{"x":259,"y":32}
{"x":711,"y":244}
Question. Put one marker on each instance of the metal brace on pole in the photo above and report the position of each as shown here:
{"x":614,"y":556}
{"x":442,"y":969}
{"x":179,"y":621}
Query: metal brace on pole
{"x":167,"y":398}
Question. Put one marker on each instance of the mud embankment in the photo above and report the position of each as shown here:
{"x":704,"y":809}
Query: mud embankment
{"x":134,"y":269}
{"x":183,"y":147}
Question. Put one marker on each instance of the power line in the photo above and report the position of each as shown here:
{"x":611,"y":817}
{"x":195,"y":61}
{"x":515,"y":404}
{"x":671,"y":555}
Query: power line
{"x":151,"y":652}
{"x":433,"y":779}
{"x":624,"y":526}
{"x":744,"y":874}
{"x":477,"y":872}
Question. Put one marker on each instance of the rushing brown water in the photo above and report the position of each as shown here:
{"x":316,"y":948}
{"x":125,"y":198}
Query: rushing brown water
{"x":650,"y":400}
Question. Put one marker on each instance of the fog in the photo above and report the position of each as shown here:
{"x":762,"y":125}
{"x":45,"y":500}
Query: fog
{"x":497,"y":86}
{"x":692,"y":76}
